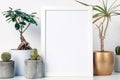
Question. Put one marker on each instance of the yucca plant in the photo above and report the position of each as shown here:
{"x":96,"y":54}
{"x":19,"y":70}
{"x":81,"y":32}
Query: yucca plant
{"x":102,"y":17}
{"x":22,"y":22}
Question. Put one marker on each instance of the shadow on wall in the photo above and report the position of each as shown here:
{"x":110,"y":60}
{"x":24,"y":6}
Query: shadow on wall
{"x":33,"y":35}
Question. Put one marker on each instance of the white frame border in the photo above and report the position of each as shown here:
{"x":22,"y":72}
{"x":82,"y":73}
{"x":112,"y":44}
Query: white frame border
{"x":43,"y":47}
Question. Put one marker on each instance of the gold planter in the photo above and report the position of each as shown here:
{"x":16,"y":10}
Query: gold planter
{"x":103,"y":62}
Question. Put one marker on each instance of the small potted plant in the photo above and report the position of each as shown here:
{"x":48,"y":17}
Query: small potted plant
{"x":6,"y":66}
{"x":117,"y":59}
{"x":103,"y":60}
{"x":34,"y":66}
{"x":22,"y":21}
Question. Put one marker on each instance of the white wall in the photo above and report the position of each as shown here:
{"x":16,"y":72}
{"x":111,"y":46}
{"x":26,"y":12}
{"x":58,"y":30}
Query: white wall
{"x":9,"y":37}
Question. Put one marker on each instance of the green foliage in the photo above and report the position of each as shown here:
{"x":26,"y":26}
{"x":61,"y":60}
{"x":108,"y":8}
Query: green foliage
{"x":6,"y":56}
{"x":102,"y":17}
{"x":117,"y":50}
{"x":20,"y":18}
{"x":104,"y":11}
{"x":34,"y":55}
{"x":22,"y":21}
{"x":17,"y":26}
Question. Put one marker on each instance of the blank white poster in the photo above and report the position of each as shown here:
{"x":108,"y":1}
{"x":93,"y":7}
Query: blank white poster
{"x":68,"y":42}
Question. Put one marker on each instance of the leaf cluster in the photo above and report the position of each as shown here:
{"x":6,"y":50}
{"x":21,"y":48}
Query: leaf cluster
{"x":20,"y":18}
{"x":104,"y":11}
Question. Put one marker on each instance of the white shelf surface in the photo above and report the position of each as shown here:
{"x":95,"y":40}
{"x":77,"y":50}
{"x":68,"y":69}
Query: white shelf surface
{"x":114,"y":76}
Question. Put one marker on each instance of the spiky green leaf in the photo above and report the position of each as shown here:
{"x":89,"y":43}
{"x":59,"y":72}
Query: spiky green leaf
{"x":10,"y":8}
{"x":83,"y":3}
{"x":104,"y":5}
{"x":8,"y":19}
{"x":99,"y":10}
{"x":112,"y":5}
{"x":8,"y":15}
{"x":96,"y":15}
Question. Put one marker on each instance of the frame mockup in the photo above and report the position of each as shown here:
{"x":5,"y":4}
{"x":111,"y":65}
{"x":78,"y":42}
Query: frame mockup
{"x":66,"y":41}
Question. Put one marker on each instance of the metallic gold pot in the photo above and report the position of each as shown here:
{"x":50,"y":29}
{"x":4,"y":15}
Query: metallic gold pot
{"x":103,"y":62}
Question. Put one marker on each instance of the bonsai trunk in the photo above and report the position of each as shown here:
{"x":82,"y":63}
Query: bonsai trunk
{"x":24,"y":45}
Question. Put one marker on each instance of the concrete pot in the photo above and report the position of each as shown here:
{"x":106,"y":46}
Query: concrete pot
{"x":33,"y":69}
{"x":117,"y":63}
{"x":6,"y":69}
{"x":19,"y":56}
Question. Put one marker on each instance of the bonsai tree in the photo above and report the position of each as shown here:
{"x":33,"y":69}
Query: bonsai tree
{"x":102,"y":17}
{"x":22,"y":22}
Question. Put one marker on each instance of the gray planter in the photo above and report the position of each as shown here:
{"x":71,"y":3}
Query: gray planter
{"x":6,"y":69}
{"x":117,"y":63}
{"x":33,"y":69}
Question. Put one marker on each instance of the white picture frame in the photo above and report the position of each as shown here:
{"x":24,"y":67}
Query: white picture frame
{"x":66,"y":41}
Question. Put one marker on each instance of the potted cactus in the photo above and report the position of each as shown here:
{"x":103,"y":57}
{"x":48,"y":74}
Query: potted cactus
{"x":6,"y":66}
{"x":34,"y":66}
{"x":22,"y":22}
{"x":117,"y":59}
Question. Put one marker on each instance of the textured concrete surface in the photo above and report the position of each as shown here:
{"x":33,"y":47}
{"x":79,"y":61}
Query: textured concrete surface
{"x":117,"y":63}
{"x":33,"y":69}
{"x":7,"y":69}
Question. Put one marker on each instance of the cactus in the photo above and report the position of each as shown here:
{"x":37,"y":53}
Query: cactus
{"x":35,"y":55}
{"x":117,"y":50}
{"x":6,"y":56}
